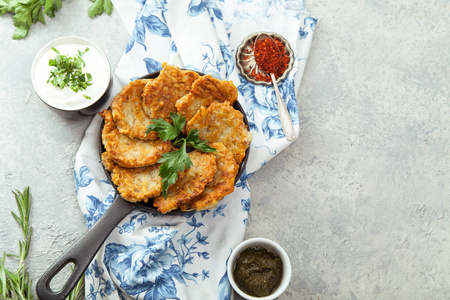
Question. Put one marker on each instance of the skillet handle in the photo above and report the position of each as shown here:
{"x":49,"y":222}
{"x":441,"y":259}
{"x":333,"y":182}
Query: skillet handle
{"x":83,"y":251}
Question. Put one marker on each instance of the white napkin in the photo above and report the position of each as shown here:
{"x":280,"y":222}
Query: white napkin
{"x":149,"y":256}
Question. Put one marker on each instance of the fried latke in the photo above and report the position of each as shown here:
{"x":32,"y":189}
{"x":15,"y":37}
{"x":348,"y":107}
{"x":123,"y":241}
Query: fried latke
{"x":134,"y":184}
{"x":129,"y":152}
{"x":191,"y":184}
{"x":220,"y":122}
{"x":128,"y":113}
{"x":220,"y":186}
{"x":160,"y":94}
{"x":131,"y":156}
{"x":205,"y":91}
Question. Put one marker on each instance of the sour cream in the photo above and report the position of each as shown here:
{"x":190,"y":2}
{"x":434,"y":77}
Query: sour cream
{"x":97,"y":65}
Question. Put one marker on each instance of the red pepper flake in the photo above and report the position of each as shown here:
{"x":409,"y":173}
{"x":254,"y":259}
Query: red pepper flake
{"x":270,"y":56}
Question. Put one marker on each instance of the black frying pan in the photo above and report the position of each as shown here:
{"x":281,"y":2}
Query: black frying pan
{"x":84,"y":249}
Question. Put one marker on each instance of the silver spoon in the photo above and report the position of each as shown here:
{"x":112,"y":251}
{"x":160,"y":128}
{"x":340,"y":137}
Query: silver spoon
{"x":285,"y":118}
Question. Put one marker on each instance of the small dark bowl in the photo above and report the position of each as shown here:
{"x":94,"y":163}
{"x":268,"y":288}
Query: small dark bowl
{"x":54,"y":98}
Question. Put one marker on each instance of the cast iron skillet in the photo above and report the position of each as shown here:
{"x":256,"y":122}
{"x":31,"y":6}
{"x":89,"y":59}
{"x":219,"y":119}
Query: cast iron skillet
{"x":83,"y":250}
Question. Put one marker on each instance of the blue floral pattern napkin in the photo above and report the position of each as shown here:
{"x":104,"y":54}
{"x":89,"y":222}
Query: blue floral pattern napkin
{"x":150,"y":256}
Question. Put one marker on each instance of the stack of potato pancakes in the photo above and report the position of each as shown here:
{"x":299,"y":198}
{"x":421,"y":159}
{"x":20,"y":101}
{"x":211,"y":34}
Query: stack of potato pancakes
{"x":132,"y":155}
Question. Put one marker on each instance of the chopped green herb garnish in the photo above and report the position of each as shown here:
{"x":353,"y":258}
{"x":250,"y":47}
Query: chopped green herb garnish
{"x":68,"y":72}
{"x":173,"y":162}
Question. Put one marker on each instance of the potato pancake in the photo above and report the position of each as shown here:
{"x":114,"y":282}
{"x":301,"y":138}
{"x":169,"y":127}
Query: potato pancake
{"x":220,"y":122}
{"x":160,"y":94}
{"x":131,"y":156}
{"x":128,"y":112}
{"x":134,"y":184}
{"x":205,"y":91}
{"x":129,"y":152}
{"x":191,"y":184}
{"x":222,"y":183}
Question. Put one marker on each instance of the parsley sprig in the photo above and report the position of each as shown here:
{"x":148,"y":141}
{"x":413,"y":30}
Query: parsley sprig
{"x":176,"y":161}
{"x":68,"y":71}
{"x":28,"y":12}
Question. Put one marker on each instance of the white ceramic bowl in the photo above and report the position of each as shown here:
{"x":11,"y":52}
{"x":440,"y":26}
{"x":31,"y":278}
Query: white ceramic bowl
{"x":64,"y":101}
{"x":270,"y":245}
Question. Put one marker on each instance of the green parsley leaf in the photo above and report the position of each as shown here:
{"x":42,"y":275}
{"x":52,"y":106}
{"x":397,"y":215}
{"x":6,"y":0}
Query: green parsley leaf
{"x":99,"y":6}
{"x":193,"y":140}
{"x":28,"y":12}
{"x":176,"y":161}
{"x":68,"y":71}
{"x":172,"y":163}
{"x":167,"y":131}
{"x":178,"y":121}
{"x":4,"y":7}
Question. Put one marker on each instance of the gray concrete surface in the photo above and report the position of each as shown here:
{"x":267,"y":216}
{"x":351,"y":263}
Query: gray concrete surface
{"x":360,"y":201}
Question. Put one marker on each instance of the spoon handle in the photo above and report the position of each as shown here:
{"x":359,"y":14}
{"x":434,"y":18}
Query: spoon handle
{"x":285,"y":118}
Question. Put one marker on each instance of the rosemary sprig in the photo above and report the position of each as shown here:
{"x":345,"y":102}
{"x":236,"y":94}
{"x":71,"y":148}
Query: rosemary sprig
{"x":78,"y":292}
{"x":17,"y":284}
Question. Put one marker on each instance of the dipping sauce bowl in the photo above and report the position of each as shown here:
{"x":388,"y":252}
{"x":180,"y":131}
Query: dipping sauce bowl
{"x":267,"y":246}
{"x":66,"y":102}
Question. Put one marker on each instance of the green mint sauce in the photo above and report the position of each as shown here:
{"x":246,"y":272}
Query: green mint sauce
{"x":258,"y":271}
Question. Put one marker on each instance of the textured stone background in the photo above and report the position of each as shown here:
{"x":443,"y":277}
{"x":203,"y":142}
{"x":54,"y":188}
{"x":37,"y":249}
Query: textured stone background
{"x":361,"y":201}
